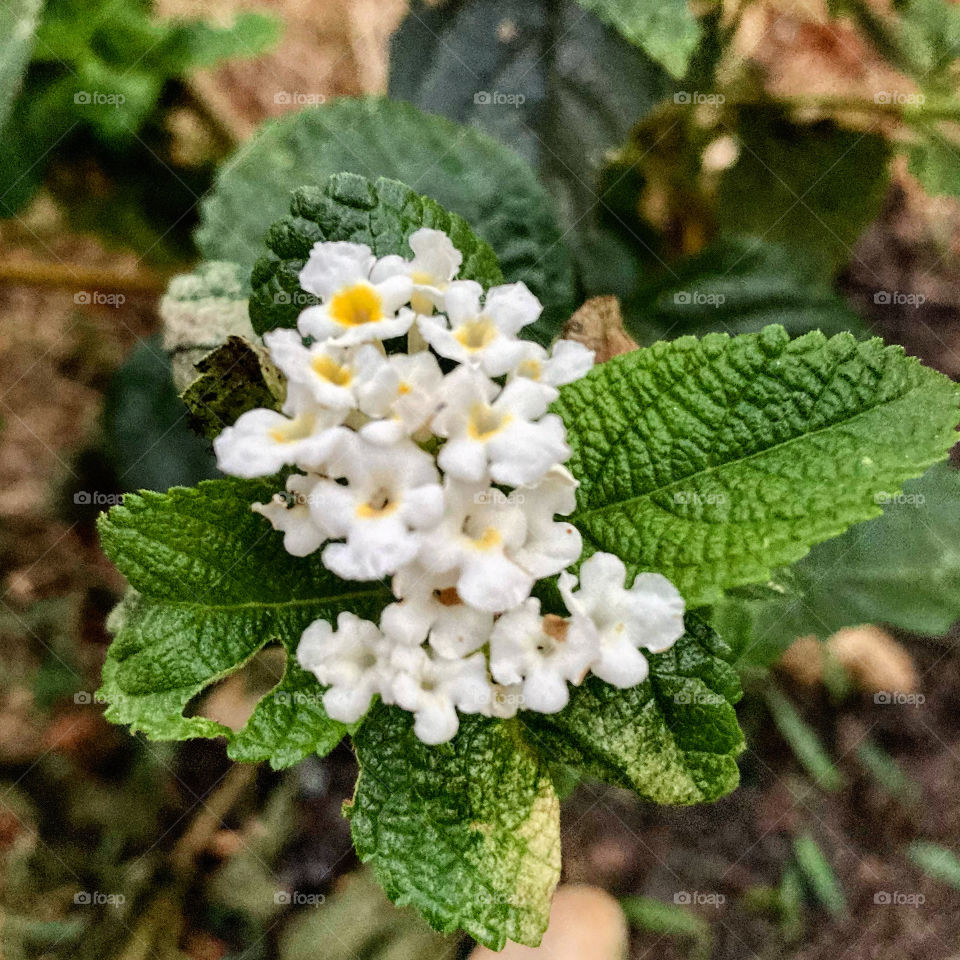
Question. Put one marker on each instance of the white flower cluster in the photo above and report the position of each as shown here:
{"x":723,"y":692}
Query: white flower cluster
{"x":447,"y":479}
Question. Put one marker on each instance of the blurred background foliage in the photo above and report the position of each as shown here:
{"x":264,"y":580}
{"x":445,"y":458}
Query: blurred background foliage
{"x":714,"y":166}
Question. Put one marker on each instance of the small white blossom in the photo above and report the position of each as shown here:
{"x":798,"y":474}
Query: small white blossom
{"x":508,"y":438}
{"x":430,"y":608}
{"x":482,"y":335}
{"x":391,"y":492}
{"x":331,"y":376}
{"x":291,"y":515}
{"x":542,"y":654}
{"x":478,"y":531}
{"x":551,"y":545}
{"x":567,"y":361}
{"x":353,"y":308}
{"x":432,"y":687}
{"x":262,"y":442}
{"x":352,"y":660}
{"x":435,"y":263}
{"x":649,"y":615}
{"x":402,"y":396}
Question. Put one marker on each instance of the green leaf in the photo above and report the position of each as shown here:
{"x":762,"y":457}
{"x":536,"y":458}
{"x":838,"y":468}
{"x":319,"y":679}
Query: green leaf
{"x":903,"y":568}
{"x":936,"y":165}
{"x":463,"y":170}
{"x":381,"y":214}
{"x":812,"y":187}
{"x":737,"y":285}
{"x":212,"y":586}
{"x":146,"y":439}
{"x":18,"y":21}
{"x":819,"y":874}
{"x":467,"y":831}
{"x":715,"y":461}
{"x":666,"y":29}
{"x":232,"y":379}
{"x":200,"y":310}
{"x":673,"y":739}
{"x":575,"y":89}
{"x":935,"y":861}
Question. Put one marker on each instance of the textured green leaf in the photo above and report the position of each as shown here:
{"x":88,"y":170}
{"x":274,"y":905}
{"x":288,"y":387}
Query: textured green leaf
{"x":236,"y":377}
{"x":666,"y":29}
{"x":715,"y":461}
{"x":673,"y":739}
{"x":381,"y":214}
{"x":812,"y":187}
{"x":213,"y":585}
{"x":467,"y":831}
{"x":200,"y":310}
{"x":902,"y":568}
{"x":737,"y":285}
{"x":463,"y":170}
{"x":575,"y":89}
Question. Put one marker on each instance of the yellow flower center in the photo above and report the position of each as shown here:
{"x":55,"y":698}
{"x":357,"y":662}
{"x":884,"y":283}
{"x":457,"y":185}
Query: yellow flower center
{"x":477,"y":334}
{"x":490,"y":539}
{"x":296,"y":429}
{"x":485,"y":422}
{"x":356,"y":306}
{"x":379,"y":505}
{"x":404,"y":388}
{"x":531,"y":369}
{"x":326,"y":368}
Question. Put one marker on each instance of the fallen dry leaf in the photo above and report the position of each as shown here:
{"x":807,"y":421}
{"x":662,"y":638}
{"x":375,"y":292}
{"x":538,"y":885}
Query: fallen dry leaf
{"x":598,"y":324}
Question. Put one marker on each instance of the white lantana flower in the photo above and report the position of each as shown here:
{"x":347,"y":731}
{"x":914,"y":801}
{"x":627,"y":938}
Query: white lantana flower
{"x":649,"y":615}
{"x":402,"y":396}
{"x":352,"y":660}
{"x":478,"y":531}
{"x":431,"y":688}
{"x":551,"y":545}
{"x":291,"y":515}
{"x":371,"y":433}
{"x":353,"y":308}
{"x":567,"y":361}
{"x":435,"y":263}
{"x":430,"y":608}
{"x":391,"y":492}
{"x":262,"y":442}
{"x":331,"y":376}
{"x":508,"y":438}
{"x":541,"y":653}
{"x":484,"y":334}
